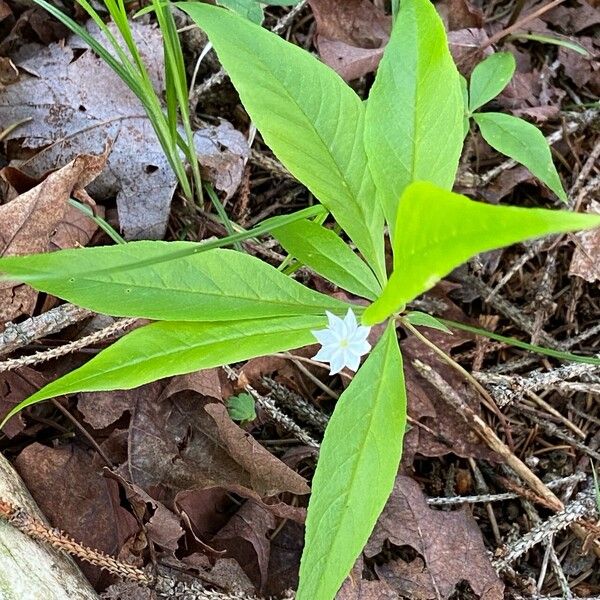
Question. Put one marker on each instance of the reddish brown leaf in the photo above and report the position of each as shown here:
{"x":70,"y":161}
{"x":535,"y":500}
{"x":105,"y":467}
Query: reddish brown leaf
{"x":349,"y":61}
{"x":15,"y":386}
{"x":444,"y":431}
{"x":449,"y":542}
{"x":575,"y":18}
{"x":357,"y":588}
{"x":586,"y":258}
{"x":101,"y":409}
{"x":284,"y":560}
{"x":461,"y":14}
{"x":245,"y":537}
{"x":163,"y":526}
{"x":351,"y":35}
{"x":28,"y":223}
{"x":207,"y":510}
{"x":178,"y":444}
{"x":205,"y":383}
{"x":75,"y":497}
{"x":411,"y":579}
{"x":356,"y":22}
{"x":262,"y":466}
{"x":464,"y":46}
{"x":583,"y":70}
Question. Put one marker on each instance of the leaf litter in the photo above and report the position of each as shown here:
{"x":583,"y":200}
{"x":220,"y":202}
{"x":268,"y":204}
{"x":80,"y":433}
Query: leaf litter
{"x":40,"y":220}
{"x":77,"y":104}
{"x":226,"y":502}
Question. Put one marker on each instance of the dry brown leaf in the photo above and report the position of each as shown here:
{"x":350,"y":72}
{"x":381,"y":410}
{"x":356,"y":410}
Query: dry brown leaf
{"x":284,"y":559}
{"x":262,"y":466}
{"x":206,"y":510}
{"x":449,"y":542}
{"x":349,"y":61}
{"x":586,"y":258}
{"x":409,"y":579}
{"x":583,"y":70}
{"x":357,"y":588}
{"x":461,"y":14}
{"x":15,"y":386}
{"x":74,"y":496}
{"x":575,"y":18}
{"x":356,"y":22}
{"x":245,"y":538}
{"x":205,"y":383}
{"x":101,"y":409}
{"x":178,"y":444}
{"x":28,"y":224}
{"x":351,"y":35}
{"x":77,"y":103}
{"x":163,"y":526}
{"x":427,"y":406}
{"x":464,"y":46}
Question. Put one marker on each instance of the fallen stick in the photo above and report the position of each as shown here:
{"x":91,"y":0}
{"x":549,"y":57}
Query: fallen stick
{"x":29,"y":569}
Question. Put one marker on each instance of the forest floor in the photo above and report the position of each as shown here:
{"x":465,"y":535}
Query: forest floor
{"x":152,"y":478}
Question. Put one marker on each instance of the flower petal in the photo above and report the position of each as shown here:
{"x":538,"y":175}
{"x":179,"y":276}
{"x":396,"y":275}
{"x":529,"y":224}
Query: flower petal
{"x":362,"y":332}
{"x":325,"y":353}
{"x":324,"y":336}
{"x":353,"y":361}
{"x":359,"y":348}
{"x":350,"y":322}
{"x":332,"y":319}
{"x":337,"y":362}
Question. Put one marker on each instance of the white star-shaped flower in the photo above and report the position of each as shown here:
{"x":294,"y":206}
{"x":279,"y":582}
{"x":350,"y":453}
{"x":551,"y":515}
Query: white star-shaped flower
{"x":342,"y":343}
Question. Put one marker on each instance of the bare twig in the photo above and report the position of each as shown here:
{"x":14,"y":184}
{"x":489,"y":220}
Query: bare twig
{"x":17,"y":335}
{"x":557,"y":483}
{"x":98,"y":336}
{"x":507,"y":388}
{"x":38,"y":530}
{"x":489,"y":436}
{"x":582,"y":507}
{"x":520,"y":23}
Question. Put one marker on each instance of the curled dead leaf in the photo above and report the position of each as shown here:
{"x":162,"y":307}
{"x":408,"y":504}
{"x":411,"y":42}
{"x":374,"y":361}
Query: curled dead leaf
{"x":351,"y":35}
{"x":29,"y":223}
{"x":449,"y":542}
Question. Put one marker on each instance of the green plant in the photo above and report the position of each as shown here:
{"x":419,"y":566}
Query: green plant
{"x":510,"y":135}
{"x":253,"y":9}
{"x":241,"y":407}
{"x":392,"y":158}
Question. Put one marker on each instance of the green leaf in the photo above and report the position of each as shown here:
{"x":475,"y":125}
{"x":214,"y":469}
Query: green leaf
{"x":522,"y":142}
{"x":307,"y":115}
{"x":241,"y":407}
{"x":490,"y":77}
{"x":414,"y":124}
{"x":588,"y":360}
{"x":421,"y":319}
{"x":355,"y":474}
{"x":464,"y":88}
{"x":250,"y":9}
{"x":555,"y":39}
{"x":323,"y":251}
{"x":172,"y":348}
{"x":438,"y":230}
{"x":139,"y":280}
